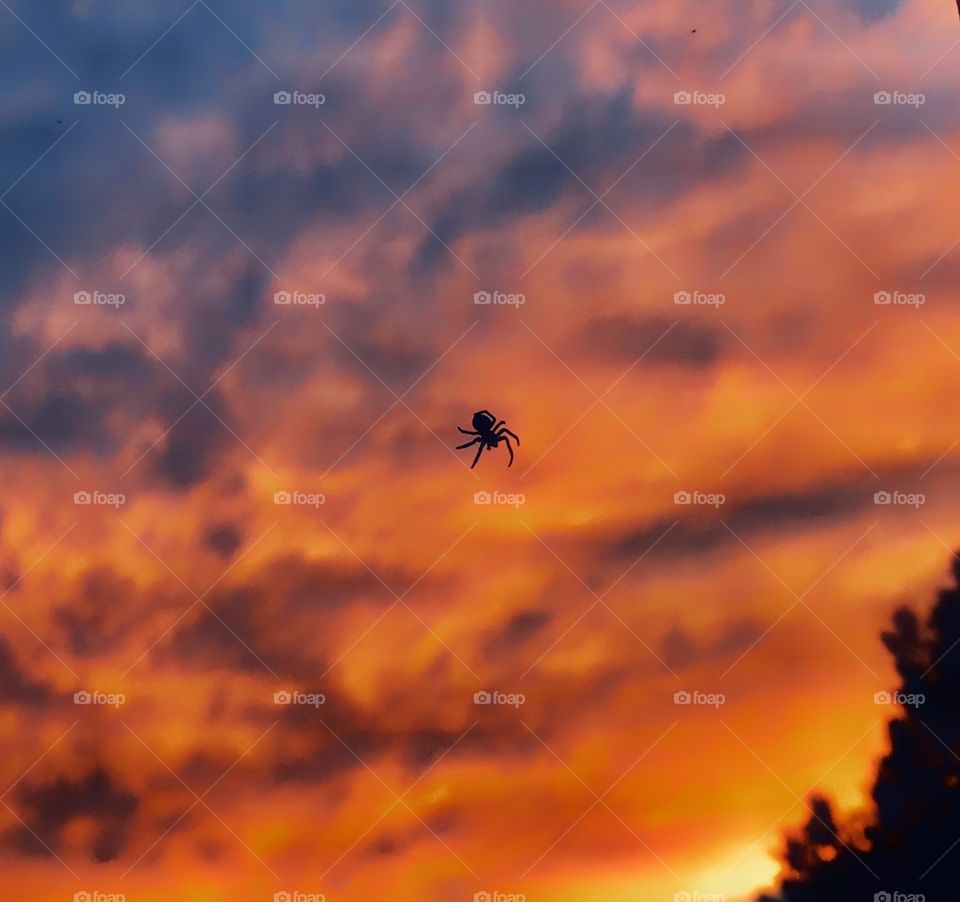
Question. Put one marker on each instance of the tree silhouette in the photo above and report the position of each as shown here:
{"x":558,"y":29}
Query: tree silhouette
{"x":910,"y":843}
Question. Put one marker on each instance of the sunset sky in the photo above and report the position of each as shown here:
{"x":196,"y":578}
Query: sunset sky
{"x":793,"y":163}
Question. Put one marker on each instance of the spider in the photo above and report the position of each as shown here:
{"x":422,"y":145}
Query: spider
{"x":489,"y":434}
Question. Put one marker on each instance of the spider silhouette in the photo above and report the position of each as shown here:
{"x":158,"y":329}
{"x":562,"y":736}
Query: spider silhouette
{"x":489,"y":433}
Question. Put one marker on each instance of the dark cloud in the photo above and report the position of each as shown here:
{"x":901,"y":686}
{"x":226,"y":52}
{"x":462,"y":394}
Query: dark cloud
{"x":281,"y":615}
{"x":875,"y":10}
{"x":597,"y":141}
{"x":328,"y":741}
{"x":685,"y":531}
{"x":105,"y":609}
{"x":811,"y":508}
{"x":518,"y":629}
{"x":681,"y":648}
{"x":657,"y":339}
{"x":16,"y":686}
{"x":48,"y":810}
{"x":61,"y":421}
{"x":396,"y":359}
{"x":224,"y":539}
{"x":189,"y":451}
{"x":69,"y":400}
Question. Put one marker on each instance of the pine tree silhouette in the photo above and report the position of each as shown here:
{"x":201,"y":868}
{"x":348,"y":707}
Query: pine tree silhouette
{"x":910,"y":843}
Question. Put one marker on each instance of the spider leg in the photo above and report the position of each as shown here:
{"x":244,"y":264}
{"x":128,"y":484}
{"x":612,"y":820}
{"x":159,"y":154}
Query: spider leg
{"x":506,"y":441}
{"x":497,"y":425}
{"x":512,"y":435}
{"x":487,"y":412}
{"x":468,"y":431}
{"x":468,"y":444}
{"x":479,"y":452}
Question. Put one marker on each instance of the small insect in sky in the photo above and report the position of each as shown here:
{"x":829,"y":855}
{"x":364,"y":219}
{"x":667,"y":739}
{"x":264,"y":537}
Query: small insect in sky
{"x":489,"y":433}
